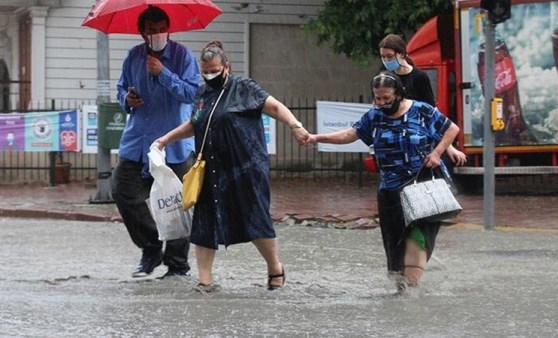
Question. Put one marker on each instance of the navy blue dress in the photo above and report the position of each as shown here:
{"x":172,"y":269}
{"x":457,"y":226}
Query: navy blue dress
{"x":233,"y":206}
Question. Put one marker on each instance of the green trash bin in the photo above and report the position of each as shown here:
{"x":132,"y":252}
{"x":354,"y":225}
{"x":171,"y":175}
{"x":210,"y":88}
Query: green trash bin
{"x":111,"y":122}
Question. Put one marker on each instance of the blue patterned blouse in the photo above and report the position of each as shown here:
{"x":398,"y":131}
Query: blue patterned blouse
{"x":401,"y":144}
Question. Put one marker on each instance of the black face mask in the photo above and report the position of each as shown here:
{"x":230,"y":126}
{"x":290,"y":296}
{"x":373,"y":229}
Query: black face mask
{"x":217,"y":82}
{"x":390,"y":108}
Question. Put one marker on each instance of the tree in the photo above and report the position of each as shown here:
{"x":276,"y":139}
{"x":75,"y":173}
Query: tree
{"x":355,"y":27}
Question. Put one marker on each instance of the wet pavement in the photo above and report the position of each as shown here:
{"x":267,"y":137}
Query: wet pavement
{"x":71,"y":279}
{"x":67,"y":265}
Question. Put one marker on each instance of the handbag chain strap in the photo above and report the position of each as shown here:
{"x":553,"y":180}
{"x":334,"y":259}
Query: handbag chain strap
{"x":209,"y":121}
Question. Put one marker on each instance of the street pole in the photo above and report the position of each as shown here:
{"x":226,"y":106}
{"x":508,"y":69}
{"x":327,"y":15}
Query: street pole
{"x":488,"y":149}
{"x":103,"y":194}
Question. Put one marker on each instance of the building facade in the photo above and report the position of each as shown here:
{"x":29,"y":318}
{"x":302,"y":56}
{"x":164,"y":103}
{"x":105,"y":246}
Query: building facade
{"x":47,"y":56}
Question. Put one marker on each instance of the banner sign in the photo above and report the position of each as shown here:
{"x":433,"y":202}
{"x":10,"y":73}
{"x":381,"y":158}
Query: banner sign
{"x":12,"y":132}
{"x":70,"y":131}
{"x":334,"y":116}
{"x":40,"y":131}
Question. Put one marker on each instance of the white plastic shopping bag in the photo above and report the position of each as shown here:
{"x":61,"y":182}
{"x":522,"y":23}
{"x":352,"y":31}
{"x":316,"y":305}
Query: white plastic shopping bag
{"x":165,"y":199}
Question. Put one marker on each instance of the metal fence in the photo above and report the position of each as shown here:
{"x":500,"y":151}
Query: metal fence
{"x":289,"y":161}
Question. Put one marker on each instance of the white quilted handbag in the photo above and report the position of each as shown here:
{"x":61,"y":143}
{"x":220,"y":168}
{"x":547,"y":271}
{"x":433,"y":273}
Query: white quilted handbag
{"x":430,"y":200}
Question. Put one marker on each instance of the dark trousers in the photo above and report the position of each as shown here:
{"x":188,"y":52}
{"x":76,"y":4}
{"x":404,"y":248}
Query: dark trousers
{"x":129,"y":191}
{"x":394,"y":231}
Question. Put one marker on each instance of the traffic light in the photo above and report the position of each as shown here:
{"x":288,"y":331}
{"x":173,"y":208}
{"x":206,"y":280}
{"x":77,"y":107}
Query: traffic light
{"x":498,"y":10}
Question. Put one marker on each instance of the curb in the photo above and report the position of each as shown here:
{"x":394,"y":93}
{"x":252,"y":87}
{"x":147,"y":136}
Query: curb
{"x":337,"y":221}
{"x":52,"y":214}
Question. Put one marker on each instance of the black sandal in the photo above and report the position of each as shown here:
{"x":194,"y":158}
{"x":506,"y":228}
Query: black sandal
{"x":270,"y":277}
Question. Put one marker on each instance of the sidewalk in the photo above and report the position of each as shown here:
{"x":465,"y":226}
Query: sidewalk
{"x":292,"y":201}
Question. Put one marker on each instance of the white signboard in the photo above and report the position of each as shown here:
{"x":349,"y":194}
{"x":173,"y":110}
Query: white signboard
{"x":89,"y":129}
{"x":89,"y":132}
{"x":334,"y":116}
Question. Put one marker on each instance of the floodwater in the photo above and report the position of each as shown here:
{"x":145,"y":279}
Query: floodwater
{"x":71,"y":279}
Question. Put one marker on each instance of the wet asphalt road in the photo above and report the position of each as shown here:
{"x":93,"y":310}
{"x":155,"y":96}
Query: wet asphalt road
{"x":71,"y":279}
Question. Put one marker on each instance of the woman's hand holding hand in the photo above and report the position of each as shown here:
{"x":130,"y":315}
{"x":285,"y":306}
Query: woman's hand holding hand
{"x":312,"y":139}
{"x":301,"y":135}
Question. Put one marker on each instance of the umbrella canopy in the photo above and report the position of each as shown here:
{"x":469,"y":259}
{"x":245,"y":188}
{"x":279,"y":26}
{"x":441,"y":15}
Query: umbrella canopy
{"x":121,"y":16}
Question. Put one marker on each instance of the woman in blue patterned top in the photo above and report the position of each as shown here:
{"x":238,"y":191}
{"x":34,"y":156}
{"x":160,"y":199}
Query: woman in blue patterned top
{"x":406,"y":135}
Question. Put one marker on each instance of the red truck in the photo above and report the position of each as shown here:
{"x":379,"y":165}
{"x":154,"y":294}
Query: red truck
{"x":451,"y":50}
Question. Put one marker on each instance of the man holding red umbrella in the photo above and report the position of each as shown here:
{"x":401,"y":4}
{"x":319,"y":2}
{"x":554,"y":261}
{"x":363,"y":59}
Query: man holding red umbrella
{"x":156,"y":88}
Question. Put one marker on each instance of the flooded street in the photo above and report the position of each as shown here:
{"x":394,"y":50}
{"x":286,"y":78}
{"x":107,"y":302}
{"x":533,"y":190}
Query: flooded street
{"x":71,"y":279}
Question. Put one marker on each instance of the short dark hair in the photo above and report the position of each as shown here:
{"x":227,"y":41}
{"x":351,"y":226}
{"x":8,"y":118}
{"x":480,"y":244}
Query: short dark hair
{"x":152,"y":13}
{"x":388,"y":79}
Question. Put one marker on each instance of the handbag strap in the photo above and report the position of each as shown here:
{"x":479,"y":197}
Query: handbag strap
{"x":436,"y":172}
{"x":209,"y":121}
{"x":420,"y":170}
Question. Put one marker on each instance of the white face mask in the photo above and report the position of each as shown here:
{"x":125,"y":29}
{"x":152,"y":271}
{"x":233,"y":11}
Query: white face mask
{"x":158,"y":41}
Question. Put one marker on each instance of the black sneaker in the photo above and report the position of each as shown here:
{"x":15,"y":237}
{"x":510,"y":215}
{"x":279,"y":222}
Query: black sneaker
{"x":147,"y":264}
{"x":173,"y":272}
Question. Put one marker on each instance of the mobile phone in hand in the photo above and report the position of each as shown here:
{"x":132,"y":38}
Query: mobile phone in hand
{"x":133,"y":93}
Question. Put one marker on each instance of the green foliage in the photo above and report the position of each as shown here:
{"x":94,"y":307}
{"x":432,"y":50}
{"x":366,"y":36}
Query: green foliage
{"x":355,"y":27}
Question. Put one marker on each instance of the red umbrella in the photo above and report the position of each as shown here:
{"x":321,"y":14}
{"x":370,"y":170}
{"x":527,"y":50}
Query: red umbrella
{"x":121,"y":16}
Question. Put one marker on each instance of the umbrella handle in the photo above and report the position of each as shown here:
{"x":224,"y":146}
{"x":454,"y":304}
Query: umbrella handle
{"x":149,"y":50}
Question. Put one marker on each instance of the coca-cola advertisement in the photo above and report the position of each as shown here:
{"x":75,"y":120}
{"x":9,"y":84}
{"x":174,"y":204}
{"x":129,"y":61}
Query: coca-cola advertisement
{"x":526,"y":74}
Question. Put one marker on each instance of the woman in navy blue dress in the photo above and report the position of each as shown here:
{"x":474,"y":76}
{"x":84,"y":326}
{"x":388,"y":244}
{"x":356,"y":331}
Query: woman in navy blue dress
{"x":234,"y":203}
{"x":406,"y":135}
